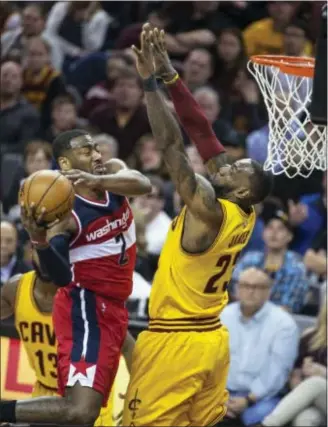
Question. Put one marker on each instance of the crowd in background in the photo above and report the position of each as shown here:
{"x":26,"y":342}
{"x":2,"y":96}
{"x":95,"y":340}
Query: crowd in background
{"x":69,"y":64}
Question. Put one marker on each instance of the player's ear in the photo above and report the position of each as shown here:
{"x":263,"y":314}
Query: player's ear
{"x":64,"y":164}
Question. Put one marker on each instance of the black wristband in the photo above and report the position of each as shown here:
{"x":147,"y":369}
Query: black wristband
{"x":8,"y":411}
{"x":150,"y":84}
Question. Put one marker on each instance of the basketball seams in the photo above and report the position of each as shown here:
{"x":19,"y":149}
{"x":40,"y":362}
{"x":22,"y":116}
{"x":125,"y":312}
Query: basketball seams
{"x":46,"y":192}
{"x":63,"y":202}
{"x":29,"y":187}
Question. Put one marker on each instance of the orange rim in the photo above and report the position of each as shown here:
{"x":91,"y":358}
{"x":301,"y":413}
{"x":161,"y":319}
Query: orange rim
{"x":297,"y":66}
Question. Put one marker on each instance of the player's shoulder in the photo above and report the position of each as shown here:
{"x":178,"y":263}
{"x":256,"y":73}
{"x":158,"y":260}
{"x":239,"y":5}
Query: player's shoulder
{"x":9,"y":289}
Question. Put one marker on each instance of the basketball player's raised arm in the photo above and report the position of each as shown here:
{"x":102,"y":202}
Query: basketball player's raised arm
{"x":191,"y":117}
{"x":196,"y":192}
{"x":8,"y":296}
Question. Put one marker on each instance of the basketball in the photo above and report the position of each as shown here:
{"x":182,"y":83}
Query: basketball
{"x":50,"y":190}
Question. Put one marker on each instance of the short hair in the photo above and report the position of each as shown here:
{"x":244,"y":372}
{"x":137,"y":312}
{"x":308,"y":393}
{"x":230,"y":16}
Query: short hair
{"x":261,"y":183}
{"x":62,"y":142}
{"x":34,"y":146}
{"x":62,"y":100}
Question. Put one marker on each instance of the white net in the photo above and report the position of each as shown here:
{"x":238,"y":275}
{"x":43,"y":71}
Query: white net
{"x":296,"y":145}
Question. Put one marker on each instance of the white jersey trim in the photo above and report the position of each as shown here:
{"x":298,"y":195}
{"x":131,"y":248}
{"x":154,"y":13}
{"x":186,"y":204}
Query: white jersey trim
{"x":100,"y":250}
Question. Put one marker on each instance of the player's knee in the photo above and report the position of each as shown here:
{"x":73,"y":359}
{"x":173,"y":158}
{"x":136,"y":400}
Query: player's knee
{"x":82,"y":415}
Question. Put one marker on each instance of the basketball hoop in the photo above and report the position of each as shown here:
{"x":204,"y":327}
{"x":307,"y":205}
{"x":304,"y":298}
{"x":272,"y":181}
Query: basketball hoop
{"x":296,"y":145}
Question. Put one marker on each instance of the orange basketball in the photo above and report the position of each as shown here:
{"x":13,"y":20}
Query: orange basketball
{"x":50,"y":190}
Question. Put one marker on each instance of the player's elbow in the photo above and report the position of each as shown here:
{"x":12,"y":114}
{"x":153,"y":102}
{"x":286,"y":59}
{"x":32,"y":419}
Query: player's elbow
{"x":142,"y":184}
{"x":81,"y":415}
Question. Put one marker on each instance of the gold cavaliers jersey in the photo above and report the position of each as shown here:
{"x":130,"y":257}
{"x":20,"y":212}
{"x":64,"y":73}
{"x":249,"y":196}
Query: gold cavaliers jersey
{"x":36,"y":331}
{"x":191,"y":289}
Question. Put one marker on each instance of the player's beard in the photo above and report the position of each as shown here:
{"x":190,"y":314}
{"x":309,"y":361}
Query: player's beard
{"x":221,"y":191}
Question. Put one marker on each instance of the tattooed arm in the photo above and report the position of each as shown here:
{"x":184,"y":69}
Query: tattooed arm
{"x":196,"y":192}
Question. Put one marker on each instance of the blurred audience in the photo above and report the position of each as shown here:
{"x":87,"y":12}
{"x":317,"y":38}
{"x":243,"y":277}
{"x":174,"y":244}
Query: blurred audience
{"x":265,"y":37}
{"x":148,"y":157}
{"x":126,"y":118}
{"x":41,"y":82}
{"x":263,"y":349}
{"x":230,"y":59}
{"x":100,"y":93}
{"x":286,"y":269}
{"x":11,"y":263}
{"x":19,"y":120}
{"x":77,"y":27}
{"x":37,"y":156}
{"x":306,"y":403}
{"x":64,"y":116}
{"x":197,"y":68}
{"x":157,"y":221}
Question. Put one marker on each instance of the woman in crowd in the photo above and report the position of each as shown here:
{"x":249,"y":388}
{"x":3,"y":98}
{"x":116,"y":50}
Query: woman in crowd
{"x":306,"y":404}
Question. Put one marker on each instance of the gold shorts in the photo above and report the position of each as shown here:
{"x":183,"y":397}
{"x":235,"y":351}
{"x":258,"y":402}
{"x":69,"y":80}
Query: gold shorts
{"x":178,"y":379}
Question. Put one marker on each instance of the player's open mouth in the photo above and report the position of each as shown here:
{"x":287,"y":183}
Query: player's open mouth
{"x":99,"y":169}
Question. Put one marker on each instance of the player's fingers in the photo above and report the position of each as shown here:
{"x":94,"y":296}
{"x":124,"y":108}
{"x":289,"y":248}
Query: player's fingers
{"x":40,"y":219}
{"x":78,"y":182}
{"x":136,"y":51}
{"x":162,"y":40}
{"x":143,"y":41}
{"x":53,"y":223}
{"x":155,"y":41}
{"x":146,"y":27}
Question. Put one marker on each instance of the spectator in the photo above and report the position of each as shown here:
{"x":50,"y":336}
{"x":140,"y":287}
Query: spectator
{"x":13,"y":43}
{"x":63,"y":117}
{"x":107,"y":145}
{"x":263,"y":349}
{"x":77,"y":27}
{"x":41,"y":82}
{"x":286,"y":269}
{"x":197,"y":68}
{"x":242,"y":107}
{"x":294,"y":38}
{"x":209,"y":102}
{"x":193,"y":26}
{"x":10,"y":262}
{"x":309,"y":217}
{"x":148,"y":157}
{"x":100,"y":93}
{"x":257,"y":144}
{"x":127,"y":119}
{"x":10,"y":18}
{"x":265,"y":37}
{"x":19,"y":121}
{"x":157,"y":221}
{"x":142,"y":263}
{"x":306,"y":403}
{"x":37,"y":157}
{"x":230,"y":58}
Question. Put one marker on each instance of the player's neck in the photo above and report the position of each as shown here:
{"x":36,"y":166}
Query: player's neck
{"x":91,"y":194}
{"x":44,"y":293}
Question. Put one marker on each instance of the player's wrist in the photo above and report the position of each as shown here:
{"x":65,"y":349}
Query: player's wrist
{"x":171,"y":77}
{"x":149,"y":84}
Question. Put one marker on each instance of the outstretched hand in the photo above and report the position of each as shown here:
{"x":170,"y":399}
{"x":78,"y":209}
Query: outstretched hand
{"x":144,"y":56}
{"x":163,"y":67}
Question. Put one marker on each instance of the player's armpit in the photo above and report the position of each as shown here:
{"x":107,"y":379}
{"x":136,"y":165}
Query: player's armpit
{"x":8,"y":296}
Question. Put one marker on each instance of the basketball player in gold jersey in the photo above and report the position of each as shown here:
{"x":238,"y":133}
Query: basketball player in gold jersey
{"x":180,"y":365}
{"x":30,"y":298}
